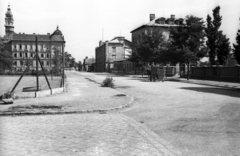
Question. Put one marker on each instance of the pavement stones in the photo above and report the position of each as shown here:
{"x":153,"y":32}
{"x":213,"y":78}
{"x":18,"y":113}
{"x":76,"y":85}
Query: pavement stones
{"x":79,"y":134}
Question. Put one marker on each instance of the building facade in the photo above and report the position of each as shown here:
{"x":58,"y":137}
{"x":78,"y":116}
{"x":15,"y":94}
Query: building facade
{"x":89,"y":64}
{"x":115,"y":50}
{"x":23,"y":46}
{"x":160,"y":24}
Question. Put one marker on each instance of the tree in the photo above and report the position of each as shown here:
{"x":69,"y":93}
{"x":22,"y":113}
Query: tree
{"x":236,"y":47}
{"x":57,"y":60}
{"x":213,"y":34}
{"x":79,"y":65}
{"x":188,"y":41}
{"x":223,"y":49}
{"x":67,"y":59}
{"x":5,"y":58}
{"x":147,"y":46}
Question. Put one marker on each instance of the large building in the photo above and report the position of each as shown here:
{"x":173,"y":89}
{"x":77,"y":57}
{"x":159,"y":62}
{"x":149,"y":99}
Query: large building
{"x":115,"y":50}
{"x":161,"y":24}
{"x":23,"y":46}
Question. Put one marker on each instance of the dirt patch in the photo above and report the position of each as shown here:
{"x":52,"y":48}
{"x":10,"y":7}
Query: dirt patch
{"x":34,"y":108}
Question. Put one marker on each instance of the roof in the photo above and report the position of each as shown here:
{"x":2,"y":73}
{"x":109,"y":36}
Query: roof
{"x":154,"y":24}
{"x":119,"y":39}
{"x":30,"y":37}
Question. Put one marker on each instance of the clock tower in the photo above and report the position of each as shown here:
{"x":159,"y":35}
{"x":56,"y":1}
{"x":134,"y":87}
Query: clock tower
{"x":9,"y":28}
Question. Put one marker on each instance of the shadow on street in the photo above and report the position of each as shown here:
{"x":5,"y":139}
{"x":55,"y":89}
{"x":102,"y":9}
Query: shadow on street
{"x":220,"y":91}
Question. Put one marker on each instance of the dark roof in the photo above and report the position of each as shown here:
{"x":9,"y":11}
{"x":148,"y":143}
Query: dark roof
{"x":57,"y":32}
{"x":30,"y":37}
{"x":154,"y":24}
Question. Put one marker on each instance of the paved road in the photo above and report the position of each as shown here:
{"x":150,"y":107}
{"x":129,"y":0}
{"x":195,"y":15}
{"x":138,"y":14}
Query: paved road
{"x":79,"y":134}
{"x":195,"y":119}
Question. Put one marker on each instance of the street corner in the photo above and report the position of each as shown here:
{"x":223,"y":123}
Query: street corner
{"x":86,"y":134}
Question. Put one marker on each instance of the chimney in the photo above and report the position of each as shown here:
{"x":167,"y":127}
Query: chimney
{"x":48,"y":33}
{"x":100,"y":43}
{"x":173,"y":16}
{"x":152,"y":17}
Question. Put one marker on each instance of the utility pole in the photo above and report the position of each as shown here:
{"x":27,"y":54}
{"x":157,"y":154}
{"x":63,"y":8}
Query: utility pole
{"x":37,"y":62}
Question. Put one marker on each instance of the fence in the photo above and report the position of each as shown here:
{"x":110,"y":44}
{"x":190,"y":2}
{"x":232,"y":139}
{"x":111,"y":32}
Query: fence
{"x":217,"y":73}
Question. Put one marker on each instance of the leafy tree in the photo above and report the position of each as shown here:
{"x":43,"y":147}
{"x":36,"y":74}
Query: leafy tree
{"x":213,"y":34}
{"x":188,"y":41}
{"x":147,"y":46}
{"x":5,"y":58}
{"x":236,"y":47}
{"x":223,"y":49}
{"x":72,"y":62}
{"x":57,"y":60}
{"x":79,"y":65}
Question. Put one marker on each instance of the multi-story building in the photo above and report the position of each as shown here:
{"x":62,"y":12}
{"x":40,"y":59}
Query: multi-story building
{"x":160,"y":24}
{"x":115,"y":50}
{"x":23,"y":46}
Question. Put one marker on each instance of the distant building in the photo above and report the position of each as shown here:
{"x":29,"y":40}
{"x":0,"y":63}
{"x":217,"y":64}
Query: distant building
{"x":115,"y":50}
{"x":23,"y":46}
{"x":161,"y":24}
{"x":88,"y":64}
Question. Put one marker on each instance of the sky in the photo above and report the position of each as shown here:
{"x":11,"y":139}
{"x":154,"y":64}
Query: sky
{"x":85,"y":22}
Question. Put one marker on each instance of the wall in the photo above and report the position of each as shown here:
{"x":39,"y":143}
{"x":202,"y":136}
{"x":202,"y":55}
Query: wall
{"x":100,"y":54}
{"x":231,"y":74}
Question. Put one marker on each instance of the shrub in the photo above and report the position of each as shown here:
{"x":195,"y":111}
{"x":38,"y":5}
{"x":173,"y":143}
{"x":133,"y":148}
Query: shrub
{"x":108,"y":82}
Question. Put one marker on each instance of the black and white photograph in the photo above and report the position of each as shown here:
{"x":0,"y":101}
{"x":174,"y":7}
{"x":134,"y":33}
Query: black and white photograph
{"x":119,"y":78}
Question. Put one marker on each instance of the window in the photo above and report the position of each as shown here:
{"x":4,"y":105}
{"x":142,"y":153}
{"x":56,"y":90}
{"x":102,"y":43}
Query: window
{"x":26,"y":55}
{"x":20,"y":47}
{"x":47,"y":63}
{"x":20,"y":54}
{"x":15,"y":55}
{"x":42,"y":55}
{"x":114,"y":49}
{"x":47,"y":55}
{"x":31,"y":54}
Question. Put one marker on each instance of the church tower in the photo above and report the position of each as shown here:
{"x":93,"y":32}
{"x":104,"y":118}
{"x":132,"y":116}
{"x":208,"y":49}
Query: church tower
{"x":9,"y":28}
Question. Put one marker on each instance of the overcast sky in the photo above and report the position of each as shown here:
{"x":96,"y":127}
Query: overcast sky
{"x":83,"y":21}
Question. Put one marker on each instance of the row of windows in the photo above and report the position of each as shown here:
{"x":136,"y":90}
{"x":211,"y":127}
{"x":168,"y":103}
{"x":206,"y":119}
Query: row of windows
{"x":21,"y":47}
{"x":30,"y":55}
{"x":21,"y":63}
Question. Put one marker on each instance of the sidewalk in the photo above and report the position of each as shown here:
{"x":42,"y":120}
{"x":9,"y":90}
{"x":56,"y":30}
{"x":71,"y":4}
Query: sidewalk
{"x":81,"y":96}
{"x":233,"y":85}
{"x":207,"y":82}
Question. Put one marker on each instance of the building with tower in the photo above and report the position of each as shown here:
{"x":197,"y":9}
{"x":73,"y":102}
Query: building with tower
{"x":23,"y":46}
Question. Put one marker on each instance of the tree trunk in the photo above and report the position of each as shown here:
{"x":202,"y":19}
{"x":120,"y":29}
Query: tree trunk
{"x":188,"y":66}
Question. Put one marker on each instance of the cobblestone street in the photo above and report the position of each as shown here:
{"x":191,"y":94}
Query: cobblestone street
{"x":79,"y":134}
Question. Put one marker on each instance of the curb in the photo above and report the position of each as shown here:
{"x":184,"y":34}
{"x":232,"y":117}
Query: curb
{"x":103,"y":111}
